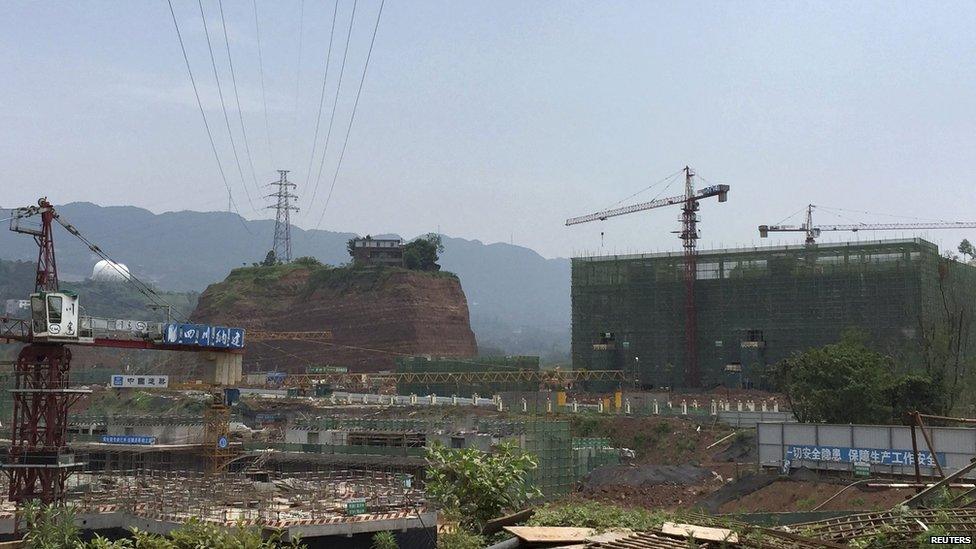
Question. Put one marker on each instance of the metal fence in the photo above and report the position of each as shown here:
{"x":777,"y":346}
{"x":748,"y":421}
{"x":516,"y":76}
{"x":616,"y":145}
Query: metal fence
{"x":738,"y":414}
{"x":884,"y":449}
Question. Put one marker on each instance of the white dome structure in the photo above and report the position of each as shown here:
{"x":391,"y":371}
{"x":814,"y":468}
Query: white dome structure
{"x":107,"y":271}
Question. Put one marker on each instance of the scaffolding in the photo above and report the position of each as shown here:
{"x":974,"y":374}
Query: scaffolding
{"x":755,"y":306}
{"x":217,"y":451}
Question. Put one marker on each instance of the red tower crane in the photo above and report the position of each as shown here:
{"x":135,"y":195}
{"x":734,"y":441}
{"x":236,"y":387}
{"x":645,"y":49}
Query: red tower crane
{"x":689,"y":238}
{"x":813,"y":231}
{"x":40,"y":461}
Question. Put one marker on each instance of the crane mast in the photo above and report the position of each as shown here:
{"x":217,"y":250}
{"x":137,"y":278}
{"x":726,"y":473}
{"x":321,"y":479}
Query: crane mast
{"x":689,"y":240}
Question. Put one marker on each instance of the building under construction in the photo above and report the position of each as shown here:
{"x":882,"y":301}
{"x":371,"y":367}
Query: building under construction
{"x":756,"y":306}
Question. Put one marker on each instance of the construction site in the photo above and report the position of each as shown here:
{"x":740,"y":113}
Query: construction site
{"x":333,"y":455}
{"x":178,"y":374}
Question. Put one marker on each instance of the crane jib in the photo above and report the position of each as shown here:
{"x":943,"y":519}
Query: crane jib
{"x":713,"y":190}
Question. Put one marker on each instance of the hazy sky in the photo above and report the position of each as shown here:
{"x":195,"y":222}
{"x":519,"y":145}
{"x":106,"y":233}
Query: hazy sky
{"x":498,"y":120}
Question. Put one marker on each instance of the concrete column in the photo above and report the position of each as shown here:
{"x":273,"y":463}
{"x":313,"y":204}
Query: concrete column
{"x":775,"y":405}
{"x":413,"y":399}
{"x":549,"y":405}
{"x":500,"y":404}
{"x":525,"y":405}
{"x":575,"y":406}
{"x":627,"y":406}
{"x":454,"y":400}
{"x":684,"y":407}
{"x":694,"y":405}
{"x":433,"y":399}
{"x":601,"y":406}
{"x":738,"y":405}
{"x":714,"y":408}
{"x":392,"y":400}
{"x":654,"y":404}
{"x":474,"y":399}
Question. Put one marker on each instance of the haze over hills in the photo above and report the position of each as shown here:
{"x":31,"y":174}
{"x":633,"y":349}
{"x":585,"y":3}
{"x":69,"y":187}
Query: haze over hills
{"x":519,"y":301}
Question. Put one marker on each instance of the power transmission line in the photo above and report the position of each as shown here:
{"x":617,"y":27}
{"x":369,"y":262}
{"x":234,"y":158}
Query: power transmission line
{"x":223,"y":107}
{"x":264,"y":97}
{"x":298,"y":78}
{"x":237,"y":97}
{"x":328,"y":134}
{"x":203,"y":114}
{"x":352,"y":117}
{"x":318,"y":117}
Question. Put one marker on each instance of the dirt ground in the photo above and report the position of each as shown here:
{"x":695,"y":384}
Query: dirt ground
{"x":790,"y":495}
{"x":656,"y":440}
{"x":674,"y":469}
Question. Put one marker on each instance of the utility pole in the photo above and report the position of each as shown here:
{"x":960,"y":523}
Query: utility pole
{"x":283,"y":208}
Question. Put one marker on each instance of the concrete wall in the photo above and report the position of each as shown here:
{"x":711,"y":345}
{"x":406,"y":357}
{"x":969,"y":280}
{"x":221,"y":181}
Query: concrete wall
{"x":775,"y":440}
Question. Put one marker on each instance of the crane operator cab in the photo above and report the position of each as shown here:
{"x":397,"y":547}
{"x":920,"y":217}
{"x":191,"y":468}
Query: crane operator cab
{"x":55,"y":317}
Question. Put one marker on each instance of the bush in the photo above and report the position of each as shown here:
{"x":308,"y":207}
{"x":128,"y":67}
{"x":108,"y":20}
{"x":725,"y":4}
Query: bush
{"x":460,"y":539}
{"x":384,"y":540}
{"x":846,"y":382}
{"x":52,"y":527}
{"x":307,"y":261}
{"x":422,"y":254}
{"x":49,"y":526}
{"x":600,"y":516}
{"x":474,"y":487}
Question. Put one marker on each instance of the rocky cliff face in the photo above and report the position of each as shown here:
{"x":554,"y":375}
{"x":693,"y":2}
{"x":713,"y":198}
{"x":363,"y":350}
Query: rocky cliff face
{"x":375,"y":315}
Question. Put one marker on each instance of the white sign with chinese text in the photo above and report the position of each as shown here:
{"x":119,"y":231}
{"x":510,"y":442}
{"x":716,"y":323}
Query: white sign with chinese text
{"x":126,"y":381}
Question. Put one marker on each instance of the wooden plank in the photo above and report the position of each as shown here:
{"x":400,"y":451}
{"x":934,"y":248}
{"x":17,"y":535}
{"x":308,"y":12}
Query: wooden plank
{"x":703,"y":533}
{"x":496,"y":525}
{"x":550,"y":534}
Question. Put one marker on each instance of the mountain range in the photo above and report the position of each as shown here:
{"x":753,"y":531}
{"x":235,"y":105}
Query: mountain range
{"x":519,"y":301}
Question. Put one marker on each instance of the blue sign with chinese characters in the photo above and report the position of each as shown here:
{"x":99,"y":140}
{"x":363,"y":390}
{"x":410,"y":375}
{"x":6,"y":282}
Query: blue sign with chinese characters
{"x":204,"y":335}
{"x":874,"y":456}
{"x":128,"y":439}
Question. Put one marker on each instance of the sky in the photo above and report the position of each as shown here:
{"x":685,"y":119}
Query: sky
{"x":497,"y":120}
